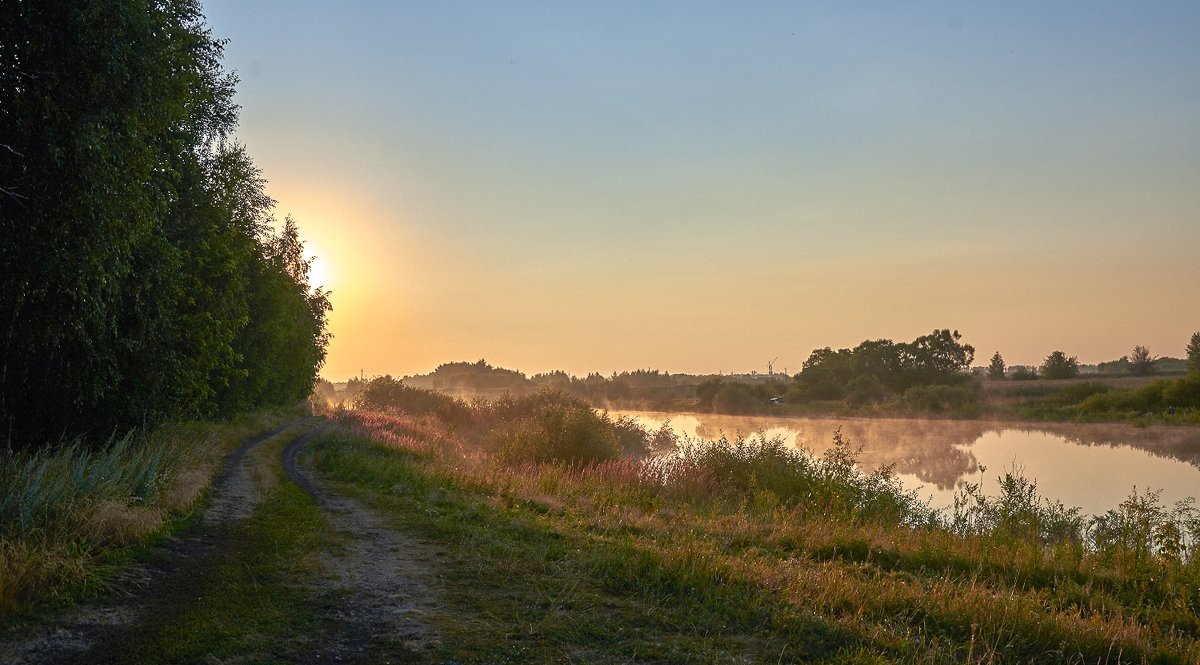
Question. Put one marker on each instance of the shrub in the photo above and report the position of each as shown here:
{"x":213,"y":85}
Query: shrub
{"x":865,"y":389}
{"x":1017,"y":514}
{"x":1075,"y":394}
{"x":737,"y":399}
{"x":766,"y":472}
{"x":555,"y":428}
{"x":1183,"y":393}
{"x":940,"y":398}
{"x":386,"y":394}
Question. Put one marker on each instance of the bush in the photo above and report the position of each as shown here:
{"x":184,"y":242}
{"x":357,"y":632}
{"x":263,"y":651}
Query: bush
{"x":388,"y":395}
{"x":766,"y":472}
{"x":1183,"y":393}
{"x":549,"y":426}
{"x":737,"y":399}
{"x":1146,"y":399}
{"x":940,"y":398}
{"x":866,"y":389}
{"x":1022,"y":374}
{"x":1075,"y":394}
{"x":1017,"y":514}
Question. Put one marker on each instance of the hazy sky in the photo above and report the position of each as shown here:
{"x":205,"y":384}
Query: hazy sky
{"x":703,"y":187}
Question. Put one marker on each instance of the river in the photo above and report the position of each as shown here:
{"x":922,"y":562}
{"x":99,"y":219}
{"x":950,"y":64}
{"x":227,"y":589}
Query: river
{"x":1090,"y":466}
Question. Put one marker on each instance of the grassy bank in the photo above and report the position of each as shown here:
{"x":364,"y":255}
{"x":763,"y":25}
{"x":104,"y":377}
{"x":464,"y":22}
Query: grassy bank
{"x":748,"y":552}
{"x":69,"y":513}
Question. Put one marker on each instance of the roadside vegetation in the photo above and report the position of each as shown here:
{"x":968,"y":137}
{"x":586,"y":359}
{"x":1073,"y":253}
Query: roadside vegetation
{"x":148,"y":286}
{"x":748,"y":550}
{"x":71,"y":514}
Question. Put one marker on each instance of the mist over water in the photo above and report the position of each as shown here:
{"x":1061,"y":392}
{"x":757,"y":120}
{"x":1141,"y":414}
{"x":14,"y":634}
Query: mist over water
{"x":1091,"y":466}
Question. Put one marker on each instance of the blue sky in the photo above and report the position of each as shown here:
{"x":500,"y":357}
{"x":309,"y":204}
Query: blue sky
{"x":694,"y":185}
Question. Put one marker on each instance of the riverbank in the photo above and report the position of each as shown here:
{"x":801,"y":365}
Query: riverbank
{"x":749,"y":553}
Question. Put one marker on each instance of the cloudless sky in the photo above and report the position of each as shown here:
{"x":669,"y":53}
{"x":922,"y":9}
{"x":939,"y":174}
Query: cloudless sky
{"x":702,"y":187}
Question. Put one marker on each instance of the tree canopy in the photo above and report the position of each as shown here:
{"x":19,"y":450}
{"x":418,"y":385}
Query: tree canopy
{"x":996,"y":367}
{"x":936,"y":358}
{"x":1058,"y":365}
{"x":142,"y":277}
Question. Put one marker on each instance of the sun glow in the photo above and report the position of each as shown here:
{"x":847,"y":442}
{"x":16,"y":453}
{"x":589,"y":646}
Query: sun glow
{"x":319,"y":273}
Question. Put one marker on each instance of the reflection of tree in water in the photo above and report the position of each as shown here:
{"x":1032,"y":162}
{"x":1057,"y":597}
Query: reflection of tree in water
{"x":933,"y":450}
{"x":1172,"y":442}
{"x":927,"y":449}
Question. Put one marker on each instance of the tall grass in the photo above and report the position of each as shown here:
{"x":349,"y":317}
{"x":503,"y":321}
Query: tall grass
{"x":772,"y":541}
{"x":65,"y":509}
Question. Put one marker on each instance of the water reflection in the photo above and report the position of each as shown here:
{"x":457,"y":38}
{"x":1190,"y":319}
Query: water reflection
{"x":1090,"y":466}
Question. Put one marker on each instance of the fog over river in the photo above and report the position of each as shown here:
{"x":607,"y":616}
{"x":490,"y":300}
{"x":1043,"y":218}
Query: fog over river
{"x":1092,"y":466}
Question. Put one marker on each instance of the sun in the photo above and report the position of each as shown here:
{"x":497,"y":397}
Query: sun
{"x":319,"y":273}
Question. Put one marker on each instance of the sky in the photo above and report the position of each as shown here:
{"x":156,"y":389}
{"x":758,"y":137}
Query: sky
{"x":706,"y":186}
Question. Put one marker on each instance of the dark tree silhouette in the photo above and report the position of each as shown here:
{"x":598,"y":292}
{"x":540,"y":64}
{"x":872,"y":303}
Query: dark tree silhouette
{"x":140,"y":274}
{"x":1058,"y":366}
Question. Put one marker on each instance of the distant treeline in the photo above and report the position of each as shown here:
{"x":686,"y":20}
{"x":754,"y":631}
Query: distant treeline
{"x":482,"y":379}
{"x":141,"y":275}
{"x":927,"y":376}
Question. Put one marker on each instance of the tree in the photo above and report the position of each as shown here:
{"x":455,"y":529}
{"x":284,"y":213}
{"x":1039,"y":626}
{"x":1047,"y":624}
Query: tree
{"x":1058,"y":366}
{"x":996,"y":368}
{"x":1141,"y":363}
{"x":1193,"y":353}
{"x":936,"y":357}
{"x":134,"y":237}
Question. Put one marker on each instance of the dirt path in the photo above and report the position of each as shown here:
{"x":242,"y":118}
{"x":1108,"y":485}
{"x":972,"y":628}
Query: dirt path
{"x":70,"y":636}
{"x":371,"y":598}
{"x":378,"y":584}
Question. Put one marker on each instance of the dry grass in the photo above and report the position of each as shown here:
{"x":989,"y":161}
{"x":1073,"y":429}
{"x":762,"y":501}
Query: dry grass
{"x":67,"y":510}
{"x":749,"y":568}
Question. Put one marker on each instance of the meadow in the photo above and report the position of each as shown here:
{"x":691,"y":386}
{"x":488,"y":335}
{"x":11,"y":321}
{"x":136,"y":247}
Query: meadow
{"x":572,"y":536}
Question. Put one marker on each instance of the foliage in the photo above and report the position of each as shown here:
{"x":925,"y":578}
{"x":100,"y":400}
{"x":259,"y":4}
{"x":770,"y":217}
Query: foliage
{"x":936,"y":358}
{"x":1022,"y":373}
{"x":1058,"y":366}
{"x":1141,"y":363}
{"x":388,"y":395}
{"x":1157,"y":397}
{"x":768,"y":473}
{"x":1193,"y":353}
{"x":764,"y":551}
{"x":942,"y":398}
{"x":141,"y":278}
{"x":1017,"y":513}
{"x":558,"y":431}
{"x":66,"y":509}
{"x":996,"y":367}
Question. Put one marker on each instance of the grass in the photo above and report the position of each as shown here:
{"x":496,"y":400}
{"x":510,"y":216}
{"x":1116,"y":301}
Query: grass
{"x":742,"y":553}
{"x":247,"y":600}
{"x":67,"y":513}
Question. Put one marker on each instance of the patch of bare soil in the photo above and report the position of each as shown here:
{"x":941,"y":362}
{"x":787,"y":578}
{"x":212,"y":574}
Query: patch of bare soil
{"x":378,"y":591}
{"x":69,"y":637}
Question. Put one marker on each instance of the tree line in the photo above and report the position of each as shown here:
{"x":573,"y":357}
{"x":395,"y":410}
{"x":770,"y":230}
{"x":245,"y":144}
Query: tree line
{"x":142,"y":275}
{"x":1140,"y":362}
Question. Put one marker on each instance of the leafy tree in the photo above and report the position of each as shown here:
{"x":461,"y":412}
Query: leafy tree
{"x":1058,"y":366}
{"x":936,"y":358}
{"x":996,"y":368}
{"x":1193,"y":353}
{"x":1141,"y":363}
{"x":134,"y":237}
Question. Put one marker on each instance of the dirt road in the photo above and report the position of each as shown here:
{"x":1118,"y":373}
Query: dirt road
{"x":367,"y":598}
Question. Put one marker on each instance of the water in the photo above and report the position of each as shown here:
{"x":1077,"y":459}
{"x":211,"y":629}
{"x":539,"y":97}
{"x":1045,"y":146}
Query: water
{"x":1093,"y":467}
